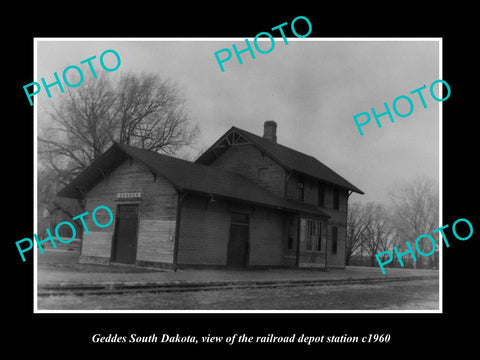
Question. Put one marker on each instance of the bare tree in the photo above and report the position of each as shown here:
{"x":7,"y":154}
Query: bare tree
{"x":415,"y":212}
{"x":378,"y":230}
{"x":150,"y":114}
{"x":138,"y":110}
{"x":79,"y":129}
{"x":357,"y":222}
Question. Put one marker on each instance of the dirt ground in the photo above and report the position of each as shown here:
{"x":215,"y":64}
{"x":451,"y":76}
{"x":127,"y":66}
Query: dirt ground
{"x":57,"y":267}
{"x":62,"y":267}
{"x":405,"y":295}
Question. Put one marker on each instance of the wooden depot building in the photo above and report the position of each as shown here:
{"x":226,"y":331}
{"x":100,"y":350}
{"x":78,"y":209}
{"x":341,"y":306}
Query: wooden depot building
{"x":246,"y":202}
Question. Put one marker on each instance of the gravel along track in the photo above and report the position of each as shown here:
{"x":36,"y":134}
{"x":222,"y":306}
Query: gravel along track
{"x":126,"y":288}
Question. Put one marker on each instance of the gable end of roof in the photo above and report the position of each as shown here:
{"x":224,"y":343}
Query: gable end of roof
{"x":289,"y":159}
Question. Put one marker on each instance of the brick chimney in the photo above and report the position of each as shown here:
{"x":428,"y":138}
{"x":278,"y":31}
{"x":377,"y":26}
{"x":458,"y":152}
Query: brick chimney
{"x":270,"y":130}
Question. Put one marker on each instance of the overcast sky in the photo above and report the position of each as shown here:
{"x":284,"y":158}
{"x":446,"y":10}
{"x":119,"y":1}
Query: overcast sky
{"x":310,"y":87}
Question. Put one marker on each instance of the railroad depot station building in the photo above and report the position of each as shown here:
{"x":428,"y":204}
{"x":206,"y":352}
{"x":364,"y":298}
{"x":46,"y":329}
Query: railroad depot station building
{"x":246,"y":202}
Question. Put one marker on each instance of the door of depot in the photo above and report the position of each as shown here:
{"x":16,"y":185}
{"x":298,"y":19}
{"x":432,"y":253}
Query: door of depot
{"x":237,"y":253}
{"x":125,"y":236}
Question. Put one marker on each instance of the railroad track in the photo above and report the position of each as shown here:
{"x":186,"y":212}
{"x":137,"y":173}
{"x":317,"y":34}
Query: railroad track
{"x":125,"y":288}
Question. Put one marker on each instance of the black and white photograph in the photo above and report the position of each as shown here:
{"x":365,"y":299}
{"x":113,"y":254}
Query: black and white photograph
{"x":217,"y":179}
{"x":179,"y":186}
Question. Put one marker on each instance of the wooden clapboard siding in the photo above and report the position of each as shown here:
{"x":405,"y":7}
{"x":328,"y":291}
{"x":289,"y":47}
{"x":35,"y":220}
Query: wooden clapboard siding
{"x":97,"y":243}
{"x":338,"y":259}
{"x":266,"y":237}
{"x":157,"y":209}
{"x":289,"y":259}
{"x":246,"y":159}
{"x":312,"y":259}
{"x":311,"y":193}
{"x":204,"y":231}
{"x":337,"y":218}
{"x":155,"y":240}
{"x":317,"y":258}
{"x":291,"y":187}
{"x":310,"y":189}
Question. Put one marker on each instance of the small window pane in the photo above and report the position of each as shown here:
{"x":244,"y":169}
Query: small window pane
{"x":239,"y":219}
{"x":263,"y":174}
{"x":127,"y":209}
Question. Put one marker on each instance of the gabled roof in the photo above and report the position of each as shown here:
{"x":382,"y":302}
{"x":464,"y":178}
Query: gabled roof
{"x":184,"y":176}
{"x":286,"y":157}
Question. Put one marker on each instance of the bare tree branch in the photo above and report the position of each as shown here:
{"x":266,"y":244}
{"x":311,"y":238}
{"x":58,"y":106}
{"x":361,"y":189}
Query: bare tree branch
{"x":415,"y":212}
{"x":138,"y":110}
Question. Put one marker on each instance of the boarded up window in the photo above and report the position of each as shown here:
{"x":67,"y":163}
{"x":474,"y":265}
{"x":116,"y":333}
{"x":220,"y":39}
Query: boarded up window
{"x":263,"y":174}
{"x":313,"y":238}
